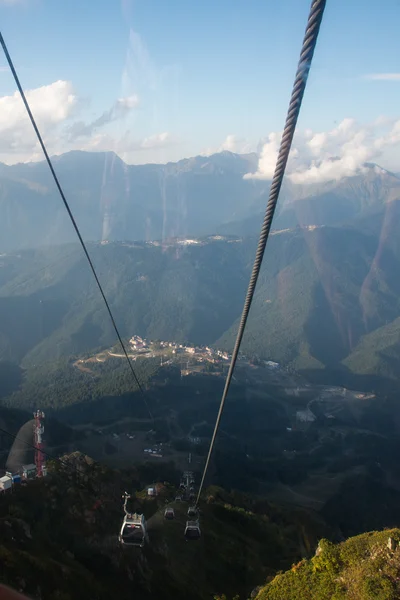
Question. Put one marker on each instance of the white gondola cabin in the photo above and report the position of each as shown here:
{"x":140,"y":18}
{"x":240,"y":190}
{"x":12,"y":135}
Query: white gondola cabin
{"x":133,"y":530}
{"x":169,"y":514}
{"x":192,"y":530}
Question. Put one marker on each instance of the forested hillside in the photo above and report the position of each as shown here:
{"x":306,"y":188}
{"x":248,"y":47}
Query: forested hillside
{"x":327,"y":298}
{"x":322,"y":293}
{"x":59,"y":537}
{"x":52,"y":308}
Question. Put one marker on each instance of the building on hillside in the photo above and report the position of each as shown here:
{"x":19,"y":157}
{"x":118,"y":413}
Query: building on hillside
{"x":28,"y":471}
{"x":16,"y":477}
{"x":188,"y":242}
{"x":137,"y":342}
{"x":5,"y":483}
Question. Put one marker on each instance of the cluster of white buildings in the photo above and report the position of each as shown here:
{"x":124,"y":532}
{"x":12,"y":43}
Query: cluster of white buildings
{"x":201,"y":353}
{"x":138,"y":343}
{"x":27,"y":472}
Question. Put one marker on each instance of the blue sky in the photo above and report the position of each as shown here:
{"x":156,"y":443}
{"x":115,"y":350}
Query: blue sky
{"x":201,"y":70}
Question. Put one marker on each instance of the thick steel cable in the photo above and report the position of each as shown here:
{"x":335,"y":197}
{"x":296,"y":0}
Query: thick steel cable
{"x":306,"y":55}
{"x":71,"y":216}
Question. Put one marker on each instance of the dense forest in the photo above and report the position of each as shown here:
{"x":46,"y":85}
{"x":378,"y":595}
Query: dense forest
{"x":67,"y":524}
{"x":61,"y":384}
{"x":318,"y":307}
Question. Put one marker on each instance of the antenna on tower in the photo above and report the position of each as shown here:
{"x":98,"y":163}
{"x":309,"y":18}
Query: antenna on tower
{"x":38,"y":434}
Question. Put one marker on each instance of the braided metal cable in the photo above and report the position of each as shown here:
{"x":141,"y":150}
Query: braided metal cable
{"x":306,"y":55}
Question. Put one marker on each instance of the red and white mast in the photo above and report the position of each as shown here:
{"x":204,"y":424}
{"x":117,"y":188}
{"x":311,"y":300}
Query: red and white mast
{"x":38,"y":433}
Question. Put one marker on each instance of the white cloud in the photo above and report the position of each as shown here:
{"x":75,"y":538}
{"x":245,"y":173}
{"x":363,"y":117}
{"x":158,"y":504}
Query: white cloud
{"x":51,"y":105}
{"x":232,"y":143}
{"x":330,"y":155}
{"x":120,"y":109}
{"x":127,"y":103}
{"x":383,"y":76}
{"x":160,"y":140}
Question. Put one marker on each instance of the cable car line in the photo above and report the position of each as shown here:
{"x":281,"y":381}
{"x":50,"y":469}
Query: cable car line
{"x":306,"y":55}
{"x":71,"y":216}
{"x":131,"y":521}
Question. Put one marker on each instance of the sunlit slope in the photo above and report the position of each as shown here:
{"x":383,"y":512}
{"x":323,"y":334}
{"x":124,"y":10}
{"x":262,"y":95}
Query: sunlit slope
{"x":369,"y":195}
{"x":366,"y":567}
{"x":319,"y":291}
{"x":182,"y":294}
{"x":377,"y":353}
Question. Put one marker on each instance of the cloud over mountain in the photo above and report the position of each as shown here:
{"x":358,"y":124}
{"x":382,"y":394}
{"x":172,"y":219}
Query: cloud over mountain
{"x":232,"y":143}
{"x":51,"y":105}
{"x":55,"y":108}
{"x":120,"y":109}
{"x":330,"y":155}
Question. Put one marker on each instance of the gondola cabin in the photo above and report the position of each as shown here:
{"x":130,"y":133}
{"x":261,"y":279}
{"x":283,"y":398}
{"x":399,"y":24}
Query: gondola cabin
{"x":192,"y":530}
{"x":133,"y":530}
{"x":169,"y":514}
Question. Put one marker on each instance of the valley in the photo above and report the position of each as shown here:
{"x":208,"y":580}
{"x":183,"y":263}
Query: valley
{"x":293,"y":441}
{"x":310,"y":435}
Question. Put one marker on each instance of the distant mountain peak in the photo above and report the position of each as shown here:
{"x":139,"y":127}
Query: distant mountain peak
{"x":83,"y":155}
{"x":379,"y":170}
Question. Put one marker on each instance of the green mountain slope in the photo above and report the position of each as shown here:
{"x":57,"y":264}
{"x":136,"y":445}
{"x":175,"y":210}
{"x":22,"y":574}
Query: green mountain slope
{"x":365,"y":567}
{"x":319,"y":292}
{"x":377,"y":353}
{"x":53,"y":308}
{"x":59,"y":538}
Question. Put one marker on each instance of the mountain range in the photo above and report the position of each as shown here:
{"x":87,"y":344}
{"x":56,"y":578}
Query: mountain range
{"x":328,"y":294}
{"x":197,"y":196}
{"x":114,"y":201}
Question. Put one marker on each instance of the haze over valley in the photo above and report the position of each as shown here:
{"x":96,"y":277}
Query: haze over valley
{"x":309,"y":419}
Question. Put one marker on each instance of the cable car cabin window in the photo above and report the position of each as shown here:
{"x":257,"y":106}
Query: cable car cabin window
{"x":132,"y":534}
{"x":192,"y":534}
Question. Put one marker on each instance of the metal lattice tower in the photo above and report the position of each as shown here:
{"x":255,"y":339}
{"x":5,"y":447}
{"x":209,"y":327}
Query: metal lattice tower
{"x":38,"y":435}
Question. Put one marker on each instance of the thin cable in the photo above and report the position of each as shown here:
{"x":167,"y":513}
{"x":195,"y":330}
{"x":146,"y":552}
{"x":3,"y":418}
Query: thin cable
{"x":71,"y":216}
{"x":306,"y":55}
